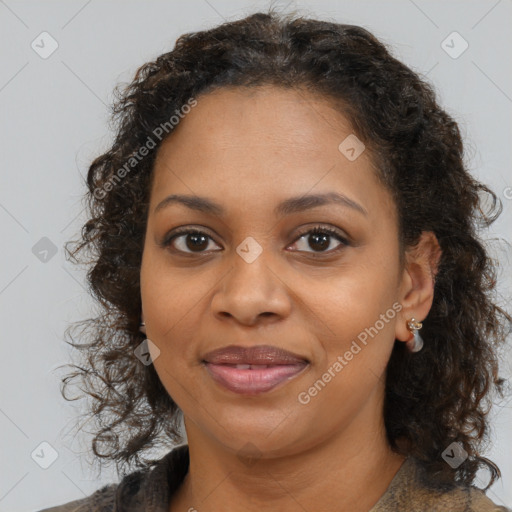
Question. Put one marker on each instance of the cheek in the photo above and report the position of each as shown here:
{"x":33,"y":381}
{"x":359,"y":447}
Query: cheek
{"x":357,"y":338}
{"x":173,"y":314}
{"x":170,"y":296}
{"x":352,"y":298}
{"x":172,"y":304}
{"x":357,"y":323}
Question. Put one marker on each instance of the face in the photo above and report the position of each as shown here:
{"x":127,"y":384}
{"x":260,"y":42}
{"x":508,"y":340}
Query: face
{"x":257,"y":274}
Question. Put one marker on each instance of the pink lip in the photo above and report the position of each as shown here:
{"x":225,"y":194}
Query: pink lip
{"x":253,"y":381}
{"x":282,"y":365}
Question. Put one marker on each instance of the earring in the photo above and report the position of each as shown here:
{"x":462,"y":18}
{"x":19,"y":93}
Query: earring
{"x":142,"y":327}
{"x":416,"y":343}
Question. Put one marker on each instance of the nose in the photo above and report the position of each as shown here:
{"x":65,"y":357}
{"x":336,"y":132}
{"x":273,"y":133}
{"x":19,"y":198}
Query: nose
{"x":252,"y":292}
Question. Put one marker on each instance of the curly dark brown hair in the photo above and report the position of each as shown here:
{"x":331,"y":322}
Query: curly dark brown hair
{"x":434,"y":397}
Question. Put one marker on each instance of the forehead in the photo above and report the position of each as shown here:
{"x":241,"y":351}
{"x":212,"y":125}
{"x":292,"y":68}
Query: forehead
{"x":264,"y":115}
{"x":263,"y":141}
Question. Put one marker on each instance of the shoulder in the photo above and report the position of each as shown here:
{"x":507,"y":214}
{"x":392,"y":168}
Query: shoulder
{"x":482,"y":503}
{"x":102,"y":500}
{"x":110,"y":497}
{"x":412,"y":489}
{"x":463,"y":499}
{"x":145,"y":488}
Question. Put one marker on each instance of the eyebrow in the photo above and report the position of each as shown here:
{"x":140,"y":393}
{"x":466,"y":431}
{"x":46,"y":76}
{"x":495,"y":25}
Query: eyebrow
{"x":287,"y":207}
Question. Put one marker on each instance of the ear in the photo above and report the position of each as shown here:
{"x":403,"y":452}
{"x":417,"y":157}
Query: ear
{"x":416,"y":292}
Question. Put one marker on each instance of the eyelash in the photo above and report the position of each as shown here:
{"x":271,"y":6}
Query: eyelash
{"x":168,"y":240}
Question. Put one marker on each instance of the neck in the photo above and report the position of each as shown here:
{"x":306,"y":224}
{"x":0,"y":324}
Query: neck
{"x":350,"y":471}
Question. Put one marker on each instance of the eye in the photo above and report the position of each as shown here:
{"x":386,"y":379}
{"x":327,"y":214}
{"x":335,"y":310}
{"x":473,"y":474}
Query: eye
{"x":192,"y":239}
{"x":320,"y":238}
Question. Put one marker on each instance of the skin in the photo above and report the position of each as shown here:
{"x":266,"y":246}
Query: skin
{"x":248,"y":150}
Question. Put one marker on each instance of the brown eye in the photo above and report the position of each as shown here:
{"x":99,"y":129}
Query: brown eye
{"x":320,"y":239}
{"x":188,"y":241}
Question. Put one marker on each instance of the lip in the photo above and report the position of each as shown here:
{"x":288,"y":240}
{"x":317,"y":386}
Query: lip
{"x":253,"y":370}
{"x":259,"y":354}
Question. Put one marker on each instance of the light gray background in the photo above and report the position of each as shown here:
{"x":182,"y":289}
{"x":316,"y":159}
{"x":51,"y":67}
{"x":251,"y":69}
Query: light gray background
{"x":53,"y":122}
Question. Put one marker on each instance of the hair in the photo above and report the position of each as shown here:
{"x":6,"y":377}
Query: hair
{"x":433,"y":398}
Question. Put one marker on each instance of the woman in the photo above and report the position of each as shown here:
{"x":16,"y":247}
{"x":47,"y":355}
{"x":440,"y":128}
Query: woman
{"x":286,"y":216}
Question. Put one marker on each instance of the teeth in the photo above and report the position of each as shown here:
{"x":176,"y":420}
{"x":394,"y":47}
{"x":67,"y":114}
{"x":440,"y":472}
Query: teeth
{"x":251,"y":366}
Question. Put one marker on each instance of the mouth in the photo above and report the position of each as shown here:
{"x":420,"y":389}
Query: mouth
{"x":253,"y":370}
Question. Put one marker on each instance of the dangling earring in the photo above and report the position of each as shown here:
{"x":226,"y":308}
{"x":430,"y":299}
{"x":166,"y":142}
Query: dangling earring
{"x":142,"y":327}
{"x":416,"y":343}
